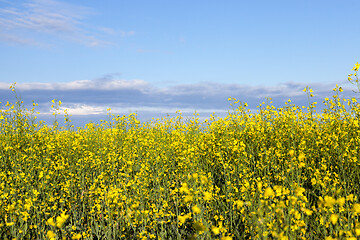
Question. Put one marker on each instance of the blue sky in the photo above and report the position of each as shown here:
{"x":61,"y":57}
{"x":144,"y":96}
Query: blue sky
{"x":156,"y":57}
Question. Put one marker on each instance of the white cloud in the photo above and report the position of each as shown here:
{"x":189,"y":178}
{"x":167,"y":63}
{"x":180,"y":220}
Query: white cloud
{"x":83,"y":109}
{"x":91,"y":110}
{"x":101,"y":84}
{"x":201,"y":90}
{"x":91,"y":98}
{"x":107,"y":30}
{"x":36,"y":19}
{"x":15,"y":39}
{"x":129,"y":33}
{"x":97,"y":84}
{"x":113,"y":32}
{"x":260,"y":91}
{"x":164,"y":110}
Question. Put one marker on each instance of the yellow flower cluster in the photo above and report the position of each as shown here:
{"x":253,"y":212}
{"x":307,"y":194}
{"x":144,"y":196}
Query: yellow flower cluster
{"x":280,"y":173}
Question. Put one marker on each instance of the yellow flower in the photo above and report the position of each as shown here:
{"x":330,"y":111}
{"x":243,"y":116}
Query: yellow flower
{"x":307,"y":211}
{"x":207,"y":196}
{"x":330,"y":238}
{"x":239,"y":204}
{"x":76,"y":236}
{"x":329,"y":201}
{"x":356,"y":68}
{"x":51,"y":222}
{"x":356,"y":208}
{"x":196,"y":209}
{"x":226,"y":238}
{"x":299,"y":191}
{"x":184,"y":188}
{"x":9,"y":224}
{"x":215,"y":230}
{"x":268,"y":192}
{"x":188,"y":198}
{"x":204,"y":179}
{"x":302,"y":164}
{"x":183,"y":218}
{"x":341,"y":201}
{"x":301,"y":157}
{"x":350,"y":197}
{"x":291,"y":153}
{"x":25,"y":216}
{"x":60,"y":220}
{"x":51,"y":235}
{"x":334,"y":218}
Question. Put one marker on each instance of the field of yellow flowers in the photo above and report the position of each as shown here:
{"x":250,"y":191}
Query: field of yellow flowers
{"x":280,"y":173}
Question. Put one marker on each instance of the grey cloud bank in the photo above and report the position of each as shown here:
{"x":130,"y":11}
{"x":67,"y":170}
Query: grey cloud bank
{"x":88,"y":100}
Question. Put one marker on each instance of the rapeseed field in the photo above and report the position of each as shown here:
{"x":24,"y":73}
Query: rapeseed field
{"x":281,"y":173}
